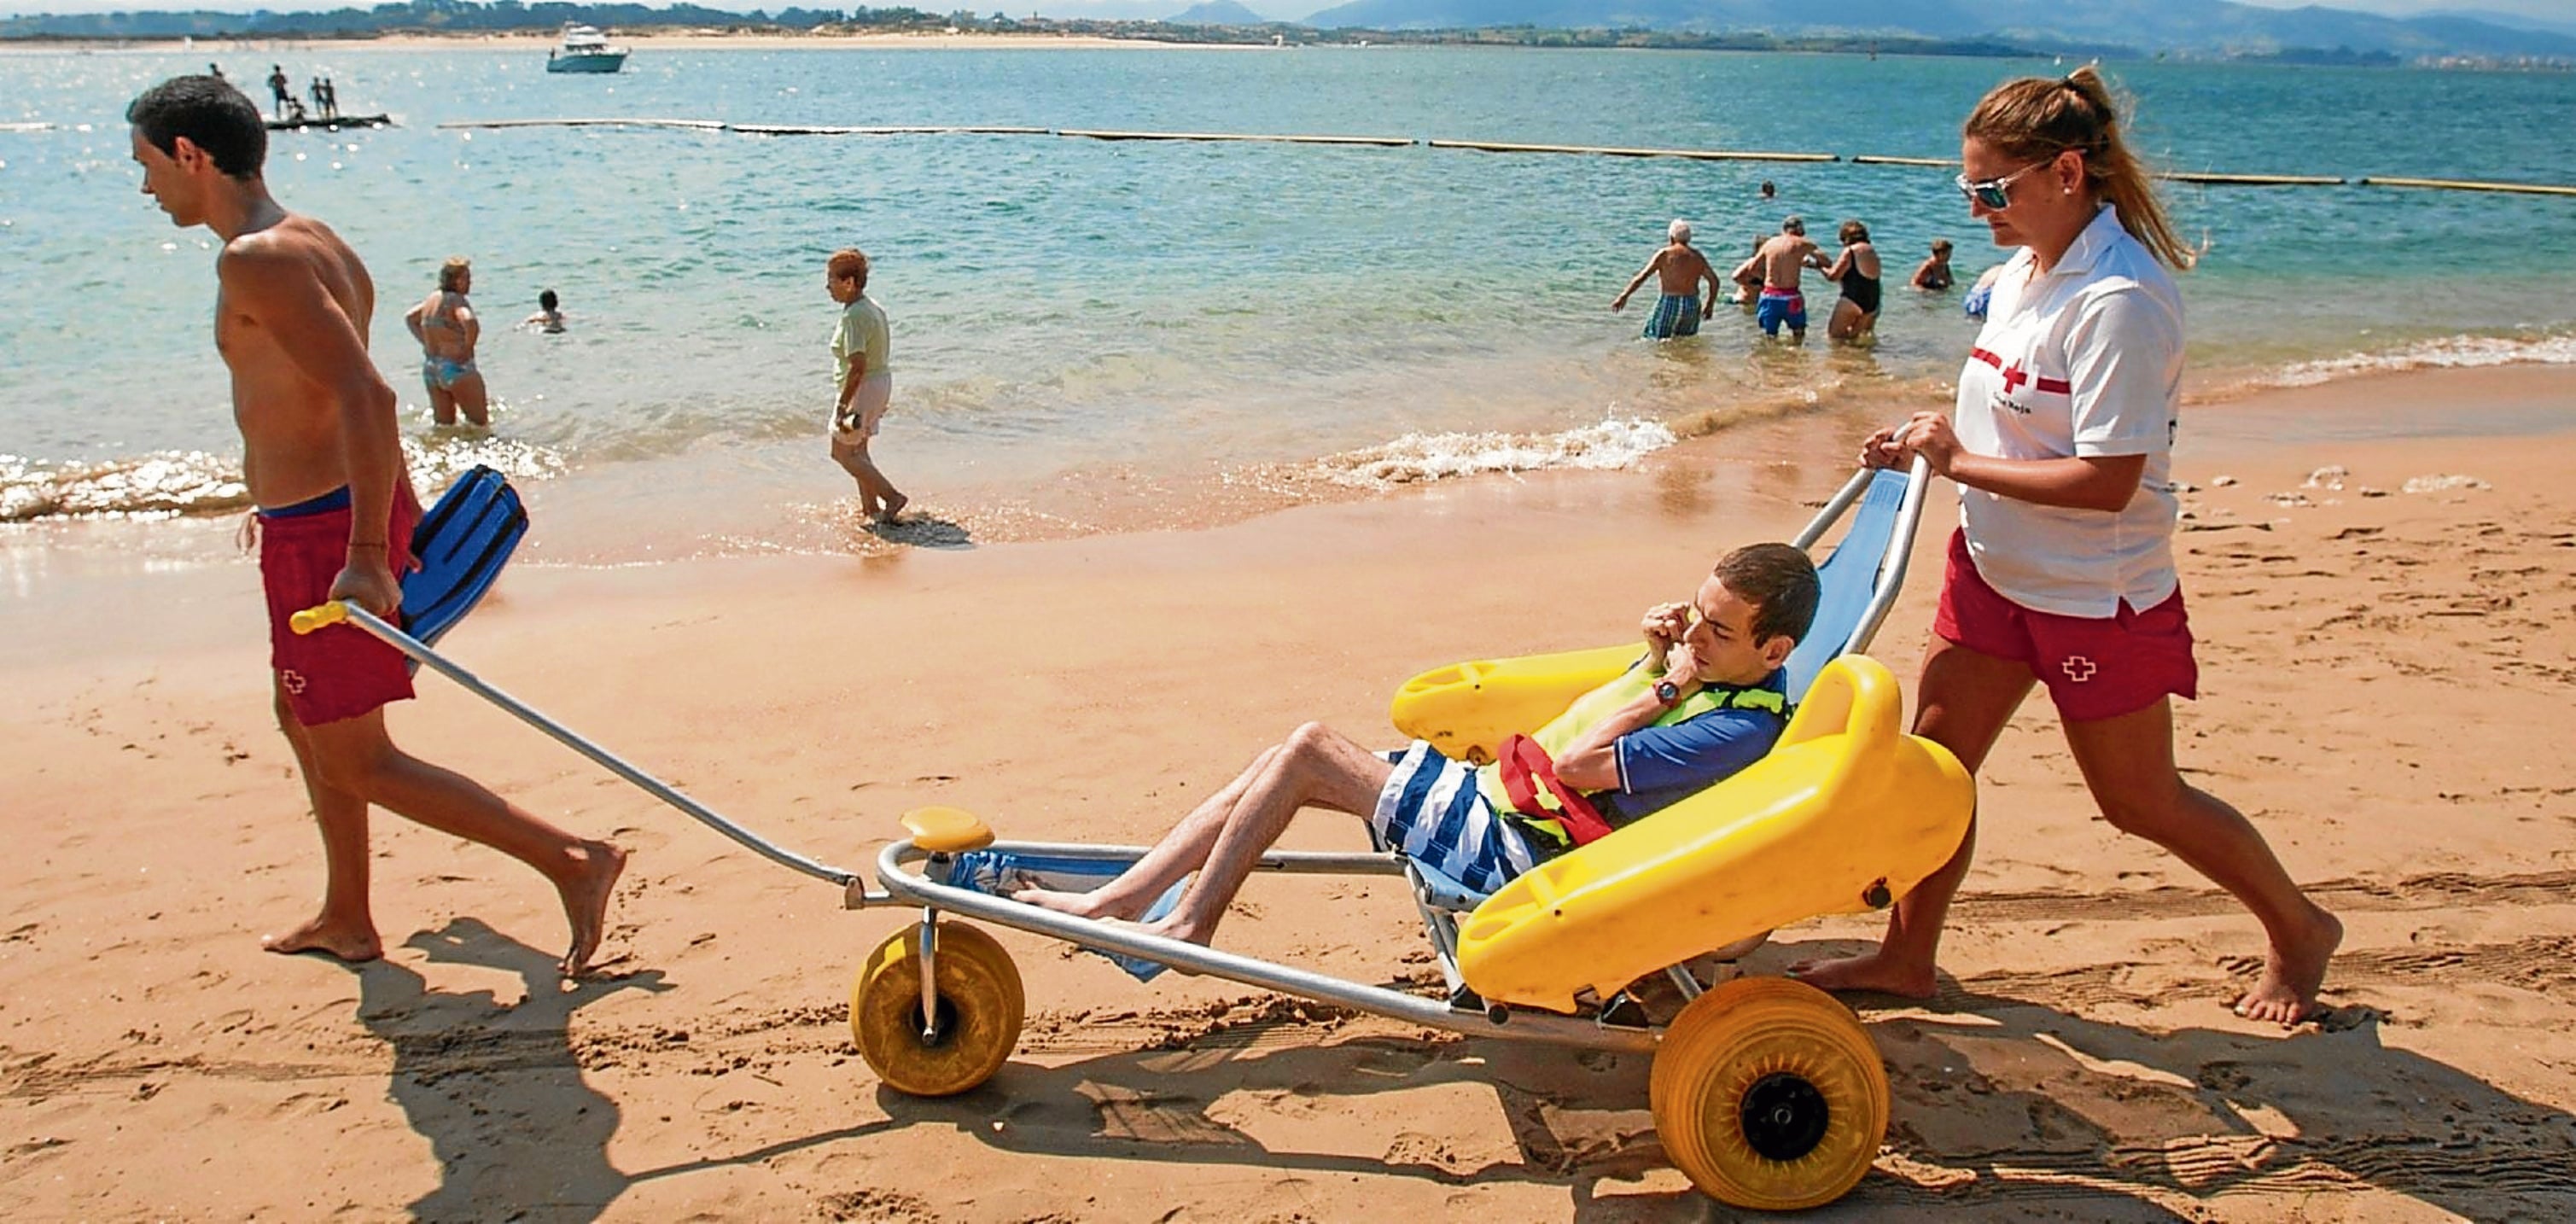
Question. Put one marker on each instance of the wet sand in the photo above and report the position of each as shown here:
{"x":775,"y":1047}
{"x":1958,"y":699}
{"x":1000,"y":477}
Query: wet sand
{"x":2386,"y":680}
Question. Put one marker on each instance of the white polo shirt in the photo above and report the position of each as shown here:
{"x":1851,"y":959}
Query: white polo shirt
{"x":2085,"y":360}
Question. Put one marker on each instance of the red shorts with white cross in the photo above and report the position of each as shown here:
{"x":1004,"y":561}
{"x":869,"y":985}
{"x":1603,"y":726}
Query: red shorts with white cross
{"x":2094,"y":667}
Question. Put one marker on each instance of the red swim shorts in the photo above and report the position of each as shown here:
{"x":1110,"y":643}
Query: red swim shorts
{"x":339,"y":672}
{"x":2094,"y":667}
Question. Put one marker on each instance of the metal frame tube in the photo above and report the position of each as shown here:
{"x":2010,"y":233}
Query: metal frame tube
{"x":569,"y":738}
{"x":1833,"y":512}
{"x":1900,"y":555}
{"x":929,"y":976}
{"x":911,"y":888}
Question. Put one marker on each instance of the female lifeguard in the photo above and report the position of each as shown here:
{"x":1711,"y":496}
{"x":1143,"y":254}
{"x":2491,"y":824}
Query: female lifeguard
{"x":2062,"y":572}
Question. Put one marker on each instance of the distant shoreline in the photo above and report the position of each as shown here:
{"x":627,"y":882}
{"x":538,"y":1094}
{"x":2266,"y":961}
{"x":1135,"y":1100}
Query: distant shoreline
{"x":540,"y":40}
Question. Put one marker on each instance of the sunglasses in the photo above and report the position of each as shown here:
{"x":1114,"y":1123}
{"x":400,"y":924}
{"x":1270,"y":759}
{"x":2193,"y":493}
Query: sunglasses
{"x":1992,"y":192}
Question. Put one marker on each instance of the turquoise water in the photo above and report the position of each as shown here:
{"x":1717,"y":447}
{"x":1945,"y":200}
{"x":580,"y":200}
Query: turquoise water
{"x":1069,"y":310}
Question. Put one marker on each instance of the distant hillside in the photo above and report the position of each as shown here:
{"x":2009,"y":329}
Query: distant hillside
{"x":2197,"y":26}
{"x":1217,"y":12}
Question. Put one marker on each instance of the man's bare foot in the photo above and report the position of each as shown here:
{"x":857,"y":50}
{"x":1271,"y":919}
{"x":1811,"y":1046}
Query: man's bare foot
{"x":870,"y":507}
{"x":1078,"y":904}
{"x":893,"y":506}
{"x":2292,"y":972}
{"x":348,"y":942}
{"x":1876,"y":971}
{"x":585,"y":902}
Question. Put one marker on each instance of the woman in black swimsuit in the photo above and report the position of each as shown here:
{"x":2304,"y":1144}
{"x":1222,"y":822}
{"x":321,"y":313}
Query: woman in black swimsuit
{"x":1857,"y":270}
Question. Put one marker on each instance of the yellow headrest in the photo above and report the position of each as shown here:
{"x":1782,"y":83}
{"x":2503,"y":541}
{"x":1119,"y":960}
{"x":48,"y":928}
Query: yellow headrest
{"x":1854,"y":695}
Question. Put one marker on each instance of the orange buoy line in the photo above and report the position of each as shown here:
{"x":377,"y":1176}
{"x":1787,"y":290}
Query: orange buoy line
{"x":1495,"y":146}
{"x":2470,"y":185}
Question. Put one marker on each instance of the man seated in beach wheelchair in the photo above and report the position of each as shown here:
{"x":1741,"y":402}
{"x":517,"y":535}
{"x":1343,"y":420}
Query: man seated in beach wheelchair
{"x":1705,"y":698}
{"x":1673,"y":806}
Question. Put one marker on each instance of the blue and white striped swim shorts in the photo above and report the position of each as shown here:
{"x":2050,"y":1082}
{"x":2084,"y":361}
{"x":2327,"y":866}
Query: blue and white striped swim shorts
{"x":1432,"y":811}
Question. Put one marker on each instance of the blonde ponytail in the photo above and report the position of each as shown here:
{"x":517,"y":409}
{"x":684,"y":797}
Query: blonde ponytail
{"x":2036,"y":118}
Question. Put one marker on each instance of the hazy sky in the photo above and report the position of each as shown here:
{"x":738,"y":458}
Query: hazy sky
{"x":2557,"y":10}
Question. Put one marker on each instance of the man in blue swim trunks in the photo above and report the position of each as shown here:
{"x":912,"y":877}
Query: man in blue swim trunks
{"x":1682,"y":268}
{"x":1717,"y":706}
{"x":1779,"y":263}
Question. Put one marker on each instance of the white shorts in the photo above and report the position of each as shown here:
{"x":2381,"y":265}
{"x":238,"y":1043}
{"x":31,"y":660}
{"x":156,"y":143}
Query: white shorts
{"x":868,"y":404}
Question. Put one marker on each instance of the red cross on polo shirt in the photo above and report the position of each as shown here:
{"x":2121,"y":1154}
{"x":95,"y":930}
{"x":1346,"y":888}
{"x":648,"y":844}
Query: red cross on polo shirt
{"x":2015,"y":375}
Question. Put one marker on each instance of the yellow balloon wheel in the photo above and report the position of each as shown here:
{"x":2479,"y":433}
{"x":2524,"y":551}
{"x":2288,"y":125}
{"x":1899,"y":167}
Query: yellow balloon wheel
{"x":1769,"y":1095}
{"x":979,"y":1011}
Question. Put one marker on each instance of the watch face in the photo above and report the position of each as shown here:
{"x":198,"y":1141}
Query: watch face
{"x":1667,"y":692}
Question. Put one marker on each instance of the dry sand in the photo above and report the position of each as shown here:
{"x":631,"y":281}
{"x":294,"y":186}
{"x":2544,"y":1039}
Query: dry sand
{"x":2387,"y":681}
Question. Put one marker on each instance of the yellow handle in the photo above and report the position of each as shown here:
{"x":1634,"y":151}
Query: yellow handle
{"x":322,"y":617}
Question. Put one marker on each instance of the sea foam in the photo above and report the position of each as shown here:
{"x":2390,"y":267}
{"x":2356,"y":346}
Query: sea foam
{"x":1418,"y":457}
{"x":2449,"y":352}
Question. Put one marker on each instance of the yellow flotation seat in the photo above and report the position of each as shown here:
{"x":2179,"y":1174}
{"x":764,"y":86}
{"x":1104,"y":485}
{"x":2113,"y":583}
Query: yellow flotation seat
{"x":1846,"y":814}
{"x":1466,"y":710}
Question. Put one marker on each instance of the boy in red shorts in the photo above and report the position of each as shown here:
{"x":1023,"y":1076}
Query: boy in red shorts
{"x":324,"y":462}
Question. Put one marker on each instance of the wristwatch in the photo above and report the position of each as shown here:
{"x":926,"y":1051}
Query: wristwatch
{"x":1668,"y":692}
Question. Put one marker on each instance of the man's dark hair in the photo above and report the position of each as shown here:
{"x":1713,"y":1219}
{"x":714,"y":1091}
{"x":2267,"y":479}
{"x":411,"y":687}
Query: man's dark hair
{"x":547,"y":299}
{"x":210,"y":113}
{"x":1780,"y":582}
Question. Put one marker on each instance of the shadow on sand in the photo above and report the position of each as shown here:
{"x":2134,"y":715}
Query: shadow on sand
{"x":2004,"y":1106}
{"x":495,"y":1087}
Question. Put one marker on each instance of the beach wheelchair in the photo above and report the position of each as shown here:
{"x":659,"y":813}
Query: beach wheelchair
{"x":1765,"y":1092}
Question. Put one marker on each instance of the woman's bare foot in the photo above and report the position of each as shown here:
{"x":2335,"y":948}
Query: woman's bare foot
{"x":893,"y":506}
{"x":1078,"y":904}
{"x":2287,"y":995}
{"x":585,"y":902}
{"x":351,"y":942}
{"x":1876,"y":971}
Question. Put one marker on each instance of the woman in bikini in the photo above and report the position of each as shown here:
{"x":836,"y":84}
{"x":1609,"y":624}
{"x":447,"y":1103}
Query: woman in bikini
{"x":445,"y":325}
{"x":1857,"y":270}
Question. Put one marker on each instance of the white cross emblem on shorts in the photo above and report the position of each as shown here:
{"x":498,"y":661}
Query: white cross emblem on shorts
{"x":292,"y":680}
{"x":2078,"y":668}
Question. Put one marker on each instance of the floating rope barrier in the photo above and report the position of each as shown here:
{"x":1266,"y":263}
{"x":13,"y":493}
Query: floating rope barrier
{"x":701,"y":125}
{"x":799,"y":129}
{"x":2469,"y":185}
{"x":1382,"y":141}
{"x":1492,"y":146}
{"x":2252,"y":180}
{"x":2208,"y":177}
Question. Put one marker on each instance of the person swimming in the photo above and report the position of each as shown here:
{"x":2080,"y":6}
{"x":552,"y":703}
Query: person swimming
{"x":1935,"y":273}
{"x":549,"y":317}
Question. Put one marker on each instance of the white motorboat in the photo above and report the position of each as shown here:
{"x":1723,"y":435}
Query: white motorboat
{"x":585,"y":49}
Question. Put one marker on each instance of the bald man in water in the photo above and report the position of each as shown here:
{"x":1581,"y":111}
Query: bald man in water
{"x":323,"y":458}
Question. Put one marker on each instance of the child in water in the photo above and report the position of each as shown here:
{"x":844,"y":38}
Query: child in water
{"x":549,"y":316}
